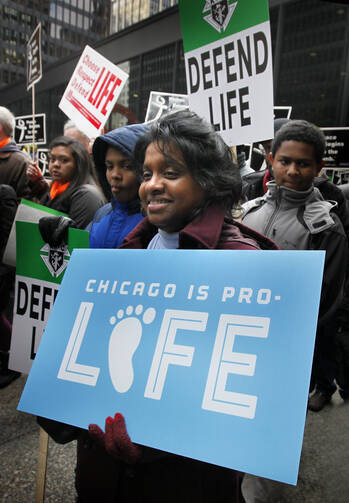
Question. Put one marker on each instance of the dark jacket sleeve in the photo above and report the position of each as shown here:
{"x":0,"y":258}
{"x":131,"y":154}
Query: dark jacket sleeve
{"x":335,"y":243}
{"x":22,"y":182}
{"x":332,"y":192}
{"x":60,"y":432}
{"x":8,"y":208}
{"x":252,"y":186}
{"x":39,"y":188}
{"x":84,"y":203}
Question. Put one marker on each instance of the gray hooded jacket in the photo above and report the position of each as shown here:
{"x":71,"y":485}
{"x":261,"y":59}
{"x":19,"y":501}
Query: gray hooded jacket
{"x":303,"y":220}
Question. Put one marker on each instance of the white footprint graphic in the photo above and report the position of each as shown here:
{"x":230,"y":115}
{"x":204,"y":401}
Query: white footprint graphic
{"x":124,"y":341}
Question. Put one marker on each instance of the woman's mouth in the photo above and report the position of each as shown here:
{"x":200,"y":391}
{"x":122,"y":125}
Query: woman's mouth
{"x":157,"y":204}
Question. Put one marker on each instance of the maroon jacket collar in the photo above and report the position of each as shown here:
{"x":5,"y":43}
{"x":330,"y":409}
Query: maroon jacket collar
{"x":204,"y":231}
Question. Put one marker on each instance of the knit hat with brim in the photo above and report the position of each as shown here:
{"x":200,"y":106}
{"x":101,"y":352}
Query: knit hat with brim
{"x":123,"y":138}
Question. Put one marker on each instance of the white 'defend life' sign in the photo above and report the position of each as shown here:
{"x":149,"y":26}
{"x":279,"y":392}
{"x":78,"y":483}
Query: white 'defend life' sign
{"x":228,"y":63}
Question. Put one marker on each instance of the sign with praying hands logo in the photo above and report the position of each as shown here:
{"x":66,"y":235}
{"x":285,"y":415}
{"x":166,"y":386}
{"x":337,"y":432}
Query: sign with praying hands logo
{"x":207,"y":354}
{"x":228,"y":64}
{"x":39,"y":272}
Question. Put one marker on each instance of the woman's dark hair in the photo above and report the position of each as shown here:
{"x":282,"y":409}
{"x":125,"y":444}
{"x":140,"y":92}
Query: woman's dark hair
{"x":304,"y":132}
{"x":206,"y":155}
{"x":84,"y":170}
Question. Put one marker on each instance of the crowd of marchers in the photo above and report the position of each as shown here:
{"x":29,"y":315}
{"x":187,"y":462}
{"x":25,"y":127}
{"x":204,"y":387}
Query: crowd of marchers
{"x":175,"y":184}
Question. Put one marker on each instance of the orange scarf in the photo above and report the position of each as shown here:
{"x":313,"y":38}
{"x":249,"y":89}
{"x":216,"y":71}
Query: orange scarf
{"x":5,"y":141}
{"x":58,"y":188}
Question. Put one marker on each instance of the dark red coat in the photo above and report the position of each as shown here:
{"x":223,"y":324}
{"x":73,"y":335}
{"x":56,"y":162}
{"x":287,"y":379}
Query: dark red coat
{"x":211,"y":230}
{"x":161,"y":476}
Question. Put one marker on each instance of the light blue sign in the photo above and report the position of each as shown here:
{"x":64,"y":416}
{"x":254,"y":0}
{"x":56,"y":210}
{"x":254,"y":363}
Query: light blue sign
{"x":207,"y":354}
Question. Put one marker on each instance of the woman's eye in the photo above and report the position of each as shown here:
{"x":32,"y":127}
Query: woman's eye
{"x":171,"y":174}
{"x":146,"y":175}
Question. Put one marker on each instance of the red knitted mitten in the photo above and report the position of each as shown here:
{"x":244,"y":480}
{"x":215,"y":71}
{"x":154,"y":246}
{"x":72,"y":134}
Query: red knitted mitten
{"x":116,"y":440}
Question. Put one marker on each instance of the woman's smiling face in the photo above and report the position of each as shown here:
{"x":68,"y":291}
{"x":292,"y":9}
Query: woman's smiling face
{"x":168,"y":193}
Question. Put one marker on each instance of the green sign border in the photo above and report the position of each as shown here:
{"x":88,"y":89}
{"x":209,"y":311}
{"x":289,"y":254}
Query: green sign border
{"x":41,"y":207}
{"x":197,"y":32}
{"x":29,"y":244}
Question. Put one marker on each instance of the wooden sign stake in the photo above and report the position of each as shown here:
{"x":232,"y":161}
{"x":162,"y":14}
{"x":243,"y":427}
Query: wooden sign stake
{"x":41,"y":468}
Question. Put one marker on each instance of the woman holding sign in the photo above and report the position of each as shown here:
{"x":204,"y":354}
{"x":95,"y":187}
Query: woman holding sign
{"x":74,"y":188}
{"x":190,"y":186}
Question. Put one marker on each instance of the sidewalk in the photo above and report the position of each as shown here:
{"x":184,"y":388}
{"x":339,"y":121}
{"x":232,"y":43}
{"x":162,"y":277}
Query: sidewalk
{"x":324,"y":473}
{"x":19,"y":441}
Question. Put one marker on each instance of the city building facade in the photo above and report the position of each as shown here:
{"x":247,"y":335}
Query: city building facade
{"x":66,"y":26}
{"x":310,"y":41}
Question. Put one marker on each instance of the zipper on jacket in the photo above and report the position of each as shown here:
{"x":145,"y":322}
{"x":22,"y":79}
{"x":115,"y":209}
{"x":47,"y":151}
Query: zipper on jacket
{"x":274,"y":215}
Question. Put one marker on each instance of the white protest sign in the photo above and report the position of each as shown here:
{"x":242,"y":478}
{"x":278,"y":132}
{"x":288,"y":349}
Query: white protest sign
{"x":92,"y":92}
{"x":39,"y":272}
{"x":27,"y":211}
{"x":228,"y":62}
{"x":161,"y":104}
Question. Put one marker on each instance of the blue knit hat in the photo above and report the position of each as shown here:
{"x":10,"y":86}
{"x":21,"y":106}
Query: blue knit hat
{"x":123,"y":138}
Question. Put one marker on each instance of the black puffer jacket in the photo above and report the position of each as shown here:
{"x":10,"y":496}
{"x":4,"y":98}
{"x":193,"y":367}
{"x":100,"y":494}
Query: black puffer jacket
{"x":80,"y":206}
{"x":8,"y":208}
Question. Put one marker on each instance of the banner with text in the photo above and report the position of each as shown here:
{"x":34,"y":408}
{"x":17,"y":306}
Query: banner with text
{"x":202,"y":346}
{"x":24,"y":129}
{"x":39,"y":272}
{"x":228,"y":64}
{"x":337,"y":147}
{"x":92,"y":92}
{"x":34,"y":64}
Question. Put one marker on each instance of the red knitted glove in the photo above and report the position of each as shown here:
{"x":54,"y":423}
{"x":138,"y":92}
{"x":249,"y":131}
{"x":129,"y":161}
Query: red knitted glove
{"x":116,"y":440}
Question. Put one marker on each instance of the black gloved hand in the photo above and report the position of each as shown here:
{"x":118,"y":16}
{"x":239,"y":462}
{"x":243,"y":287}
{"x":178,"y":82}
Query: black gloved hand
{"x":54,"y":229}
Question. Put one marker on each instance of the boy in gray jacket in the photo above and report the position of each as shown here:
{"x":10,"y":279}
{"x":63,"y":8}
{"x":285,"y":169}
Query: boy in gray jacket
{"x":294,"y":214}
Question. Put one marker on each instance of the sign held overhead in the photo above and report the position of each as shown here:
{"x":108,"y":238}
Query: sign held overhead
{"x":161,"y":104}
{"x":92,"y":92}
{"x":34,"y":66}
{"x":228,"y":64}
{"x":24,"y":131}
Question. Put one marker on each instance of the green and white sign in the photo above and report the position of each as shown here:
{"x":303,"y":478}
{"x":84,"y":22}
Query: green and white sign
{"x":228,"y":62}
{"x":27,"y":211}
{"x":39,"y":272}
